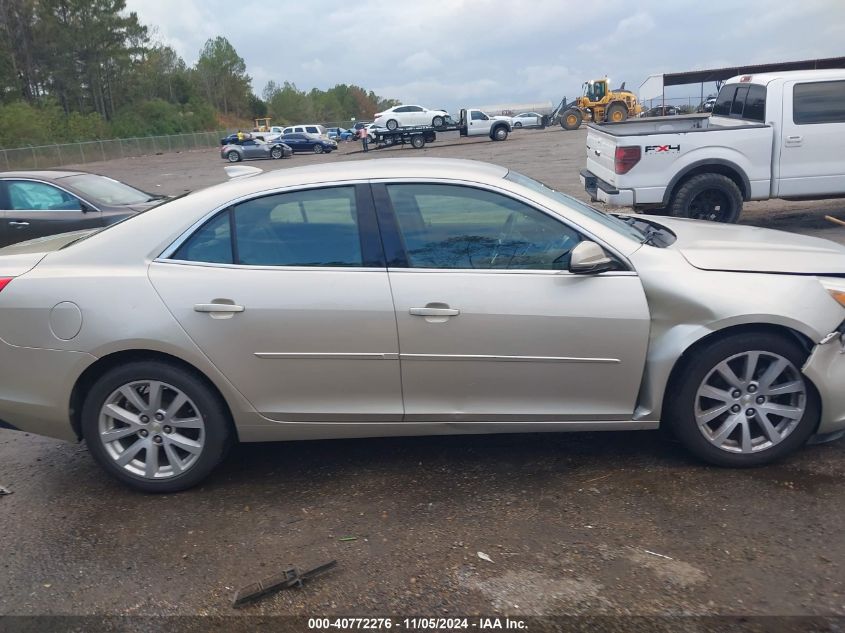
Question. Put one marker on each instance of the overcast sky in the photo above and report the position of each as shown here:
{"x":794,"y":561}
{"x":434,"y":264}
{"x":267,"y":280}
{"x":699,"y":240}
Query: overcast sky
{"x":453,"y":53}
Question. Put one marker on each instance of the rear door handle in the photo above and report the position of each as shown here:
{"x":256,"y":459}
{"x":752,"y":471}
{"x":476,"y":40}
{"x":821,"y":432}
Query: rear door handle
{"x":434,"y":311}
{"x":794,"y":141}
{"x":217,"y":307}
{"x":19,"y":225}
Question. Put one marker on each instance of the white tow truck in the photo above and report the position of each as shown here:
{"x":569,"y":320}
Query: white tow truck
{"x":472,"y":122}
{"x":773,"y":135}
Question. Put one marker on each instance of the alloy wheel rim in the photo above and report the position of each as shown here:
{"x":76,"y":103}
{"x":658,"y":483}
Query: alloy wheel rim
{"x":151,"y":429}
{"x":750,"y":402}
{"x":710,"y":205}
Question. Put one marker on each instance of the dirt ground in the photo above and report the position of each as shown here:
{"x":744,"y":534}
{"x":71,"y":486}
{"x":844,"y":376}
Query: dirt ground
{"x":617,"y":523}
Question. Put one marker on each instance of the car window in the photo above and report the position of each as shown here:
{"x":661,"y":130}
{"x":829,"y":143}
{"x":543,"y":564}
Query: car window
{"x":722,"y":107}
{"x":312,"y":130}
{"x":402,"y":109}
{"x":416,"y":109}
{"x":755,"y":104}
{"x":739,"y":101}
{"x":478,"y":116}
{"x":106,"y":190}
{"x":451,"y":226}
{"x":26,"y":195}
{"x":317,"y":227}
{"x":819,"y":102}
{"x":212,"y":243}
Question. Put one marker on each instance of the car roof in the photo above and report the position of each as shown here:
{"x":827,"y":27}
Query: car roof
{"x":45,"y":174}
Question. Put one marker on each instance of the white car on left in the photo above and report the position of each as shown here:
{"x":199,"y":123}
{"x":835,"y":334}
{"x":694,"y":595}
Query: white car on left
{"x":408,"y":115}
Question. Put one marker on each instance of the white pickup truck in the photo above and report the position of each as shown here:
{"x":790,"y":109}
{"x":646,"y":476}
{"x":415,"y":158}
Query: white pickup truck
{"x":770,"y":136}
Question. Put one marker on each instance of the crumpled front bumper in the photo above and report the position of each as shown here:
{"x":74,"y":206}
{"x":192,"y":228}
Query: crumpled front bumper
{"x":826,"y":368}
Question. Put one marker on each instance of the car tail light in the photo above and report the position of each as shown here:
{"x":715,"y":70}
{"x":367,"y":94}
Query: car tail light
{"x":626,"y":158}
{"x":4,"y":281}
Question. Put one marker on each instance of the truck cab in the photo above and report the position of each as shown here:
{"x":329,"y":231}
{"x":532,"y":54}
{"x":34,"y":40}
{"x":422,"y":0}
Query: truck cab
{"x":474,"y":122}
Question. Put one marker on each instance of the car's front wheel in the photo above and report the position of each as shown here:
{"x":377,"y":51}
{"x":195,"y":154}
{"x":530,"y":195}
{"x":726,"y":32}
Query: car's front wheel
{"x":276,"y":153}
{"x":155,"y":426}
{"x":743,"y":401}
{"x":318,"y":149}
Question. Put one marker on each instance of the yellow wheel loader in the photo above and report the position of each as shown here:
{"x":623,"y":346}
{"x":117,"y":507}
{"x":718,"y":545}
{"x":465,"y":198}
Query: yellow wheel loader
{"x":597,"y":103}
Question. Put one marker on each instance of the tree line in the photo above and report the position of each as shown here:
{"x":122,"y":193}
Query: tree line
{"x":73,"y":70}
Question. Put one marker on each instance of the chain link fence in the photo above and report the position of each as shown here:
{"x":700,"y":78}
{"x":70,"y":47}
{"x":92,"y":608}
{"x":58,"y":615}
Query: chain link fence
{"x":46,"y":156}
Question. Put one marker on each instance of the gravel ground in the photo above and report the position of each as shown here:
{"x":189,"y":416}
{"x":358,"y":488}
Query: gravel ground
{"x":587,"y":523}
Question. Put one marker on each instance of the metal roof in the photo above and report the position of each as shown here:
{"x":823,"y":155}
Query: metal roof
{"x":721,"y":74}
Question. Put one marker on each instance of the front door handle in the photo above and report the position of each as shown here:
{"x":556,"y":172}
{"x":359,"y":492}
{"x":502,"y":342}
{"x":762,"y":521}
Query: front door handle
{"x":794,"y":141}
{"x":434,"y":312}
{"x":217,"y":307}
{"x":18,"y":225}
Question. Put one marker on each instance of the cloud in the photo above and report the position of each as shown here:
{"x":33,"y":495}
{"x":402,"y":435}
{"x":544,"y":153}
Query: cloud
{"x":454,"y":53}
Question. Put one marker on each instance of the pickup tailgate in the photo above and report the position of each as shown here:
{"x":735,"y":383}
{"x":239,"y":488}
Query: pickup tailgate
{"x":601,"y":148}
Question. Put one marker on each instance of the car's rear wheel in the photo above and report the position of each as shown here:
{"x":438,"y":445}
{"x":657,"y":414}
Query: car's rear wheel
{"x":276,"y":153}
{"x":155,"y":427}
{"x":743,"y":401}
{"x":712,"y":197}
{"x":392,"y":124}
{"x":233,"y":157}
{"x":318,"y":149}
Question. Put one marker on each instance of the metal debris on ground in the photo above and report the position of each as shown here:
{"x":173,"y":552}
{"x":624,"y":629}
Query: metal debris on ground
{"x":484,"y":556}
{"x":348,"y":538}
{"x":647,"y":551}
{"x":4,"y":491}
{"x":290,"y":577}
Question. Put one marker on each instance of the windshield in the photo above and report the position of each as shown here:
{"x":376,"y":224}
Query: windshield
{"x":611,"y":222}
{"x":107,"y":191}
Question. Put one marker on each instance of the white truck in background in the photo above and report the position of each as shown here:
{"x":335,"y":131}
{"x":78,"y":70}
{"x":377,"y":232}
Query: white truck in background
{"x":772,"y":135}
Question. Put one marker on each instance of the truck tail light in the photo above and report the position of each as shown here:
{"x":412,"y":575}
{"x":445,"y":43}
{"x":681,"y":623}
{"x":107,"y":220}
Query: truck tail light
{"x":626,"y":158}
{"x":4,"y":281}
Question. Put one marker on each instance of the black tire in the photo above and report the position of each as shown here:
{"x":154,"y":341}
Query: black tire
{"x":616,"y":113}
{"x":417,"y":141}
{"x":392,"y":124}
{"x":499,"y":133}
{"x":218,"y":428}
{"x":233,"y":157}
{"x":680,"y":410}
{"x":517,"y":124}
{"x":318,"y":149}
{"x":711,"y":197}
{"x":571,"y":119}
{"x":276,"y":153}
{"x":437,"y":121}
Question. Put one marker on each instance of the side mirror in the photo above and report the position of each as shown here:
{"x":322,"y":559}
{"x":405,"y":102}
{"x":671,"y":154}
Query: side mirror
{"x":588,"y":258}
{"x":85,"y":207}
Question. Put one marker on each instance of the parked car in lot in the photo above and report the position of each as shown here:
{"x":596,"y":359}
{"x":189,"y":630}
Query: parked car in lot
{"x":668,"y":110}
{"x":311,"y":128}
{"x":299,"y":142}
{"x":38,"y":203}
{"x":772,"y":135}
{"x":339,"y":133}
{"x":528,"y":119}
{"x":415,"y":297}
{"x":407,"y":115}
{"x":707,"y":105}
{"x":254,"y":148}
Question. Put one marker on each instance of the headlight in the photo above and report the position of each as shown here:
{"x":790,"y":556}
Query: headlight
{"x":835,"y":287}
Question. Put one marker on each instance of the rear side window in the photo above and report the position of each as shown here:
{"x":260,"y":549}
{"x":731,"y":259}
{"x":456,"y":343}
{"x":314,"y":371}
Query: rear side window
{"x":818,"y":102}
{"x":724,"y":101}
{"x":318,"y":227}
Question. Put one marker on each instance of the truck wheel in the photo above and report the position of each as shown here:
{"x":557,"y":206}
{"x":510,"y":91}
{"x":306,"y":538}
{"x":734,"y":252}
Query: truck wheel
{"x":616,"y":113}
{"x":712,"y":197}
{"x":500,"y":133}
{"x":437,"y":121}
{"x":571,"y":119}
{"x":742,"y":401}
{"x":418,"y":141}
{"x":233,"y":157}
{"x":392,"y":124}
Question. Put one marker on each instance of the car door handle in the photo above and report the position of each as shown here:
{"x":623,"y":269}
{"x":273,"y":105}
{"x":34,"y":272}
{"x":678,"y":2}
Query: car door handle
{"x":18,"y":225}
{"x":217,"y":307}
{"x":794,"y":141}
{"x":434,"y":311}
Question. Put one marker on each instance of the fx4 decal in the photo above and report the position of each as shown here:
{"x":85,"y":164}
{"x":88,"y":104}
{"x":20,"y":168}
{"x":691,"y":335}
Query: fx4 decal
{"x":662,"y":149}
